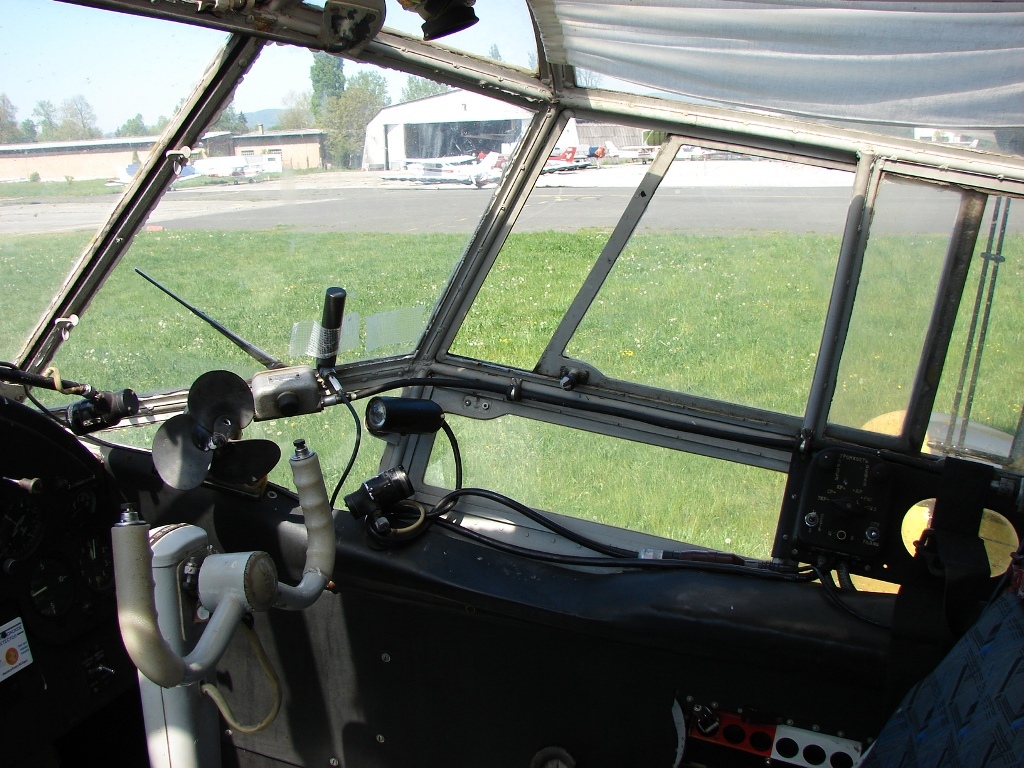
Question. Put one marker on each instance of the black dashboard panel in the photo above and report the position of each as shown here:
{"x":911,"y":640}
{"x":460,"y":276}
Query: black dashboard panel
{"x":846,"y":504}
{"x":61,"y":656}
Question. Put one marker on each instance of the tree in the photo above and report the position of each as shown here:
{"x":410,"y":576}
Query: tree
{"x":419,"y":87}
{"x":77,"y":120}
{"x":346,"y":116}
{"x":231,"y":120}
{"x":46,"y":115}
{"x":9,"y":131}
{"x":587,"y":79}
{"x":29,"y":133}
{"x":327,"y":76}
{"x":298,"y":112}
{"x":494,"y":53}
{"x":134,"y":126}
{"x":160,"y":124}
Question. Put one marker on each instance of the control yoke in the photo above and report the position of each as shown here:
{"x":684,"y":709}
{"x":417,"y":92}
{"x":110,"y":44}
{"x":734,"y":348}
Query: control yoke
{"x":230,"y":585}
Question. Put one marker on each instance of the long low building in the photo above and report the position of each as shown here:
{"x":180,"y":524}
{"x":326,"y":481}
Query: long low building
{"x":63,"y":160}
{"x":107,"y":158}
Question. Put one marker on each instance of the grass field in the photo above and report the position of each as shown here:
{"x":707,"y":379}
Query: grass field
{"x":732,"y":317}
{"x":69,"y":188}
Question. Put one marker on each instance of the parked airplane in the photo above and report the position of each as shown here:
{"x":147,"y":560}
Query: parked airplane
{"x":645,"y":463}
{"x":237,"y":167}
{"x":566,"y":160}
{"x":457,"y":169}
{"x":127,"y":174}
{"x":643,"y":153}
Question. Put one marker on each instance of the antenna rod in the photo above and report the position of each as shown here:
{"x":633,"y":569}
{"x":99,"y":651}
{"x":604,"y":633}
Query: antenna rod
{"x":267,"y":361}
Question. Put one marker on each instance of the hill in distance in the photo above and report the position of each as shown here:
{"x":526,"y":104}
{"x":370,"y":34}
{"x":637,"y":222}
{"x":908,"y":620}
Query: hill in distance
{"x":268,"y":117}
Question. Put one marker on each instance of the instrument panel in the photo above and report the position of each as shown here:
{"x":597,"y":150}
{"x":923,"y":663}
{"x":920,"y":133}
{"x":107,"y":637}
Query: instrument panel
{"x":61,"y":656}
{"x":846,"y":504}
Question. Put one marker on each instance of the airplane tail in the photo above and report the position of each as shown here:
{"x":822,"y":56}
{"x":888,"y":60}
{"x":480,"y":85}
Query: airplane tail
{"x":613,"y":151}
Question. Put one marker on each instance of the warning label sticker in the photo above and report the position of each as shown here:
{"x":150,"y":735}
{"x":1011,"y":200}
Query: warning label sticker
{"x":14,"y":650}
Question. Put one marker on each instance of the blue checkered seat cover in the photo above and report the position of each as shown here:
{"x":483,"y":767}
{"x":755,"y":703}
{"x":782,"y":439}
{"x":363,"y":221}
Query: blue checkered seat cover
{"x":969,"y":712}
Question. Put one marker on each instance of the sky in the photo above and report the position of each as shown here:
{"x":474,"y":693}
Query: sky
{"x":125,"y":65}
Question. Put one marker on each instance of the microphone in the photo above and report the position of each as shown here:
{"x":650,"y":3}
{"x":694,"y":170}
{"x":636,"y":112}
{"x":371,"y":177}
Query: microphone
{"x":330,"y":328}
{"x":103,"y":409}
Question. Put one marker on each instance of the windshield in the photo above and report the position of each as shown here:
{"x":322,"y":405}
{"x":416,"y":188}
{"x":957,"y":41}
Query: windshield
{"x":694,"y":302}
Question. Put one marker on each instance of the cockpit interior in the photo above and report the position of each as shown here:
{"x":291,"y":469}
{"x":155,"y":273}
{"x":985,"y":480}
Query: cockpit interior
{"x":536,"y":383}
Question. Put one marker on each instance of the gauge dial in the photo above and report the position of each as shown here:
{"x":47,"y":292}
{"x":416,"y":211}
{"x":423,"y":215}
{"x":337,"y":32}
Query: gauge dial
{"x":21,"y":527}
{"x":52,"y":587}
{"x":96,"y":562}
{"x":82,"y":507}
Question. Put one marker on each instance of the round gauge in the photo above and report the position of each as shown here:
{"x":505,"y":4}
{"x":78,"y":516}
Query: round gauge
{"x":52,"y":587}
{"x":82,"y":507}
{"x":96,"y":562}
{"x":21,"y":527}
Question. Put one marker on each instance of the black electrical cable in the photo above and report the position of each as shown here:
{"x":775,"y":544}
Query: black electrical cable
{"x":455,"y":453}
{"x":355,"y":450}
{"x":27,"y":379}
{"x":845,"y":579}
{"x":832,"y":592}
{"x":447,"y":503}
{"x":625,"y":562}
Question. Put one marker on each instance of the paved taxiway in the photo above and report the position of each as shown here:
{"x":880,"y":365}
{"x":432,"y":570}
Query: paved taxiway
{"x":706,"y":196}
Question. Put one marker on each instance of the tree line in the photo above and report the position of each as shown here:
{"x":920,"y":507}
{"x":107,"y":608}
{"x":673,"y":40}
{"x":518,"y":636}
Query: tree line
{"x":343,"y":106}
{"x":340,"y":106}
{"x":75,"y":120}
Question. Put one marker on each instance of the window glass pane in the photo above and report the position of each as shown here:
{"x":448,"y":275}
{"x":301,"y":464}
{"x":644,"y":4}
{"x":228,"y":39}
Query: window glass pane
{"x":981,"y":381}
{"x":722,"y":290}
{"x":558,"y":236}
{"x":72,"y":122}
{"x":902,"y":265}
{"x":254,"y":240}
{"x":681,"y":496}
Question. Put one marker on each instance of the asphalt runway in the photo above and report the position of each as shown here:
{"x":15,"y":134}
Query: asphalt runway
{"x":729,"y":198}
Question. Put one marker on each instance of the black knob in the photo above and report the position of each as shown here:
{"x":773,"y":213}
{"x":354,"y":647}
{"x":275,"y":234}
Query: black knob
{"x":288,"y":403}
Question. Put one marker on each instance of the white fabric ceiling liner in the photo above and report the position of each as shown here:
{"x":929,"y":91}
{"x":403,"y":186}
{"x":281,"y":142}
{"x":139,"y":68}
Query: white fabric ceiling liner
{"x":937,"y":64}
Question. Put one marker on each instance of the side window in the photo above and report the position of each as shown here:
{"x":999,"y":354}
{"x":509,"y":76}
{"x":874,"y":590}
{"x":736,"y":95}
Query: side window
{"x":723,"y":288}
{"x":695,"y":499}
{"x":720,"y":292}
{"x":906,"y":250}
{"x":979,"y":410}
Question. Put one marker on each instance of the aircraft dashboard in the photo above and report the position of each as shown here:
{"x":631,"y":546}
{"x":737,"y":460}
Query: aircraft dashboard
{"x":61,"y":655}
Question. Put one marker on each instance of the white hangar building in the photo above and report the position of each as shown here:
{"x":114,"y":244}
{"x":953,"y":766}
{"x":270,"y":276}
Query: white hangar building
{"x":449,"y":124}
{"x":463,"y":123}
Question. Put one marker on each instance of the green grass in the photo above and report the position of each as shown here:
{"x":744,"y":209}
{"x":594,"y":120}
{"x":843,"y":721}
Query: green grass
{"x":73,"y":188}
{"x":32,"y":268}
{"x":734,"y":317}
